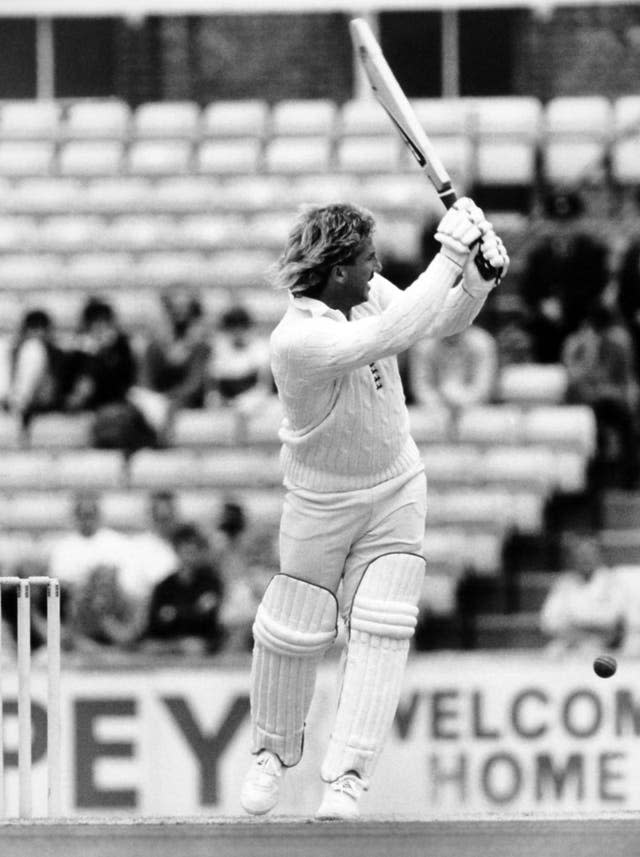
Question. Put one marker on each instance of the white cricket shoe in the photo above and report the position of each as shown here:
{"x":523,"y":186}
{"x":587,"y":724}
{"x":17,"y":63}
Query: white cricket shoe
{"x":341,"y":798}
{"x":261,"y":787}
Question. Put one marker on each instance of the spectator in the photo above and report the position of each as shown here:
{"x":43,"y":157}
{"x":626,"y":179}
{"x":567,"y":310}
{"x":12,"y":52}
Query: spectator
{"x":599,"y":362}
{"x":89,"y":562}
{"x":39,"y":372}
{"x":185,"y":606}
{"x":628,"y":277}
{"x":247,"y":560}
{"x":565,"y":272}
{"x":106,"y":371}
{"x":456,"y":372}
{"x":176,"y":359}
{"x":152,"y":555}
{"x":584,"y":608}
{"x":240,"y":376}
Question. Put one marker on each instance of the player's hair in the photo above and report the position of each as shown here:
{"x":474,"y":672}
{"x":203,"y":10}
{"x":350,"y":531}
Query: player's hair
{"x":323,"y":236}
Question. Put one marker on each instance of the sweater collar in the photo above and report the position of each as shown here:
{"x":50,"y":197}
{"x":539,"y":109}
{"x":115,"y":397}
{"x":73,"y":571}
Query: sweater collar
{"x":315,"y":307}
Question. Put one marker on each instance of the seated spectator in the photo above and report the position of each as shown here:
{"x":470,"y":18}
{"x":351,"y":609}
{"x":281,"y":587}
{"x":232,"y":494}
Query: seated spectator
{"x":247,"y":560}
{"x":628,"y":283}
{"x":239,"y":371}
{"x":152,"y":557}
{"x":600,"y":368}
{"x":185,"y":606}
{"x":39,"y":371}
{"x":455,"y":372}
{"x":584,"y":609}
{"x":89,"y":562}
{"x":565,"y":272}
{"x":104,"y":376}
{"x":175,"y":360}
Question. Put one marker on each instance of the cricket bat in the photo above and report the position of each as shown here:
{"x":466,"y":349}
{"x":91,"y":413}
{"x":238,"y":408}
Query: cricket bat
{"x":391,"y":97}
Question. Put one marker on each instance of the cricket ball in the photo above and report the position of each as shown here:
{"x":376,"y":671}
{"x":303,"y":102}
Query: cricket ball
{"x":605,"y":666}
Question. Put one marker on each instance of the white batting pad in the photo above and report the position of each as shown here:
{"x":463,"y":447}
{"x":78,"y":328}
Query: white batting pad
{"x":383,"y":620}
{"x":294,"y":626}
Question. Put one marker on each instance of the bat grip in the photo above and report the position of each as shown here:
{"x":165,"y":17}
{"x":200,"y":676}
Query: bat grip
{"x":486,"y":270}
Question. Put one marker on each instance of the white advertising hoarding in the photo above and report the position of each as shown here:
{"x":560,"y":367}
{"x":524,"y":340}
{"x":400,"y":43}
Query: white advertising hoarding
{"x":472,"y":734}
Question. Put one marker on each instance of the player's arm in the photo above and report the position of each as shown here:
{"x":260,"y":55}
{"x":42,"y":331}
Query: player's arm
{"x":324,"y":348}
{"x":466,"y":300}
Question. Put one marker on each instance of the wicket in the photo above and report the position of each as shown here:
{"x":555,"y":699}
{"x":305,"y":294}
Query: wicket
{"x":23,"y":590}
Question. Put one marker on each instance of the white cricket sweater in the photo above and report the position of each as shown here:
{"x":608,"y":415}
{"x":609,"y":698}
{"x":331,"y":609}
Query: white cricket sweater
{"x":346,"y":424}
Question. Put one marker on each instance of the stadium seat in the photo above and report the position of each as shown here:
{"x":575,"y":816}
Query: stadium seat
{"x":72,"y":233}
{"x":506,"y":162}
{"x":35,"y":510}
{"x":184,"y":195}
{"x":42,"y":196}
{"x":141,"y":310}
{"x":533,"y":383}
{"x":528,"y":467}
{"x":384,"y":193}
{"x":158,"y":157}
{"x":571,"y":471}
{"x":64,"y":305}
{"x":242,"y":118}
{"x":515,"y":116}
{"x":211,"y":232}
{"x":268,"y":230}
{"x":368,"y":154}
{"x":32,"y":469}
{"x":306,"y":117}
{"x":9,"y":433}
{"x":263,"y":427}
{"x":31,"y":271}
{"x":89,"y":158}
{"x":91,"y":468}
{"x":468,"y":507}
{"x":294,"y":155}
{"x":97,"y":119}
{"x":17,"y":233}
{"x":456,"y":153}
{"x":137,"y":233}
{"x":566,"y":162}
{"x":570,"y":427}
{"x":223,"y":157}
{"x":625,"y":161}
{"x":450,"y":464}
{"x":166,"y":120}
{"x":361,"y":117}
{"x":251,"y":193}
{"x":200,"y":428}
{"x":586,"y":117}
{"x":184,"y":469}
{"x":168,"y":268}
{"x":118,"y":195}
{"x":18,"y":547}
{"x":27,"y":158}
{"x":29,"y":120}
{"x":239,"y":268}
{"x":490,"y":424}
{"x":53,"y":431}
{"x":322,"y":189}
{"x":429,"y":425}
{"x":626,"y":117}
{"x":443,"y":117}
{"x":95,"y":271}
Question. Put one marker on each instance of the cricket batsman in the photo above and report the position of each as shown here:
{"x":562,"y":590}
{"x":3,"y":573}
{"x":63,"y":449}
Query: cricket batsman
{"x":355,"y":504}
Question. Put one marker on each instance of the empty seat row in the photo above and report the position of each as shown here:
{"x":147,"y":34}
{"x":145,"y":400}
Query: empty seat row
{"x":594,"y":116}
{"x":531,"y":468}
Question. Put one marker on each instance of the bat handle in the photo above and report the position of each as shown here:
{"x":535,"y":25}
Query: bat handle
{"x":486,"y":270}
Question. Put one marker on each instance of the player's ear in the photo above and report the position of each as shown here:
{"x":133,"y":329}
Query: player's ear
{"x":338,"y":273}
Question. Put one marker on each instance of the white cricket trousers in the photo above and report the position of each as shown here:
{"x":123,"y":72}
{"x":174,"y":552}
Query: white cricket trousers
{"x":326,"y":538}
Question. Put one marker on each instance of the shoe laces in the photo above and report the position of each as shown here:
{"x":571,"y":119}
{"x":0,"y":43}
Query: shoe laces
{"x":349,"y":784}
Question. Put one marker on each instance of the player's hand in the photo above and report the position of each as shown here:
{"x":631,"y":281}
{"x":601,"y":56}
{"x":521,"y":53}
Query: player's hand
{"x":458,"y":234}
{"x":494,"y":253}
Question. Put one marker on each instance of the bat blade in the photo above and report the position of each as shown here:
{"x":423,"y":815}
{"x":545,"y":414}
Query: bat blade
{"x":390,"y":96}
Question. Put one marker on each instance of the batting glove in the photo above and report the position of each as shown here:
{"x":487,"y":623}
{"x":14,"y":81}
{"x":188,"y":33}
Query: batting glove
{"x":457,"y":234}
{"x":475,"y":213}
{"x":494,"y":252}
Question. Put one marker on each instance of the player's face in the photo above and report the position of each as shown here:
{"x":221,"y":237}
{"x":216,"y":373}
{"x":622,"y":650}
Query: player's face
{"x":360,"y":271}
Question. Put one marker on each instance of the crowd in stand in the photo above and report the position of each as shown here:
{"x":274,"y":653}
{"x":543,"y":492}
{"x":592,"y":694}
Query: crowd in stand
{"x":178,"y":587}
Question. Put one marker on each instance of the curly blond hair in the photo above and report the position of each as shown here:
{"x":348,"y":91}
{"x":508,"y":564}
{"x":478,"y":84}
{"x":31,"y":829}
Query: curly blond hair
{"x":322,"y":236}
